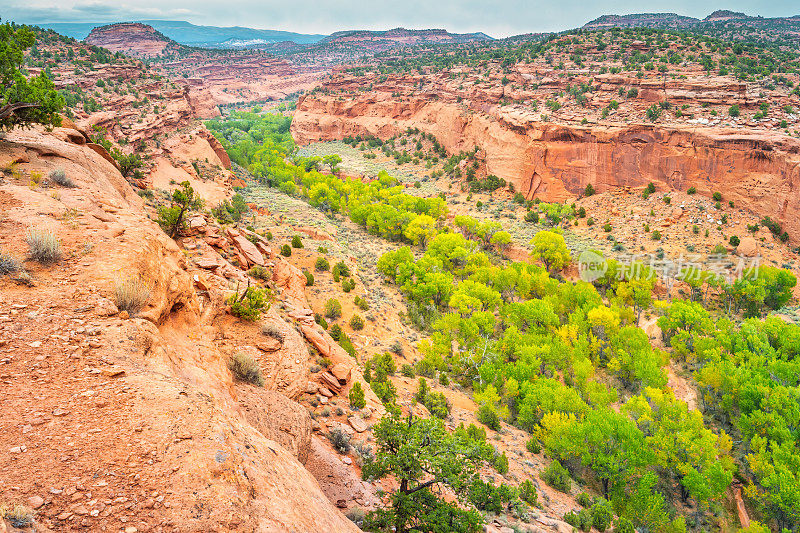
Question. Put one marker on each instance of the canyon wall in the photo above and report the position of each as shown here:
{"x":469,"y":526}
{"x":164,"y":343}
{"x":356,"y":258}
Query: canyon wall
{"x":758,"y":170}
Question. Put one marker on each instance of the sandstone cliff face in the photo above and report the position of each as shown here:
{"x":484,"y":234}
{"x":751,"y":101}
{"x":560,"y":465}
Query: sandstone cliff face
{"x":758,"y":170}
{"x":160,"y":436}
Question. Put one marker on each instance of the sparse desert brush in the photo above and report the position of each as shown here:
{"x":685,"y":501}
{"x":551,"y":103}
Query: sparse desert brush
{"x":59,"y":177}
{"x":8,"y":264}
{"x":271,"y":330}
{"x":132,"y":293}
{"x":43,"y":245}
{"x":19,"y":515}
{"x":340,"y":440}
{"x":245,"y":368}
{"x":260,"y":272}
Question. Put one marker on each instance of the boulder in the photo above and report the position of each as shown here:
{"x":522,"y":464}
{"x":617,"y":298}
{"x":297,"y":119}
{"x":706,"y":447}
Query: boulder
{"x":358,"y":424}
{"x":246,"y":248}
{"x":748,"y":247}
{"x":341,"y":372}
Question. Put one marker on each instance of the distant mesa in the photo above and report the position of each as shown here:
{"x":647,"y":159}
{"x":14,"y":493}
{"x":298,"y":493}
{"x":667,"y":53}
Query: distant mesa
{"x":132,"y":38}
{"x":406,"y":36}
{"x":724,"y":14}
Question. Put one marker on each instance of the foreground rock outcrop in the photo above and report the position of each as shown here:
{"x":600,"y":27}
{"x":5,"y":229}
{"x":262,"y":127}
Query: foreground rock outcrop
{"x":120,"y":421}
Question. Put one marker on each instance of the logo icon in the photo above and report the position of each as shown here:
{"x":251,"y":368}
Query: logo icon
{"x":591,"y":266}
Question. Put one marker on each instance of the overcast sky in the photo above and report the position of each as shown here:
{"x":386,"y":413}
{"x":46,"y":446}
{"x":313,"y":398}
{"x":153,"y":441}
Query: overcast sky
{"x":498,"y":19}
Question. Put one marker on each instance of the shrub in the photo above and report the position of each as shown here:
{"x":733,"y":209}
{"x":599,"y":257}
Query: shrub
{"x":309,"y":278}
{"x":581,"y":520}
{"x":249,"y":304}
{"x":297,"y":242}
{"x":601,"y":516}
{"x":532,"y":217}
{"x":43,"y":245}
{"x":245,"y":368}
{"x":528,"y":494}
{"x":356,"y":515}
{"x":336,"y":332}
{"x":322,"y":265}
{"x":607,"y":227}
{"x":260,"y":272}
{"x":132,"y":294}
{"x":356,"y":322}
{"x":691,"y":190}
{"x":488,"y":497}
{"x":356,"y":396}
{"x":408,"y":371}
{"x":584,"y":500}
{"x":340,"y":269}
{"x":557,"y":477}
{"x":20,"y":516}
{"x":59,"y":177}
{"x":734,"y":110}
{"x":656,"y":235}
{"x":734,"y":240}
{"x":533,"y":445}
{"x":623,"y":525}
{"x":271,"y":330}
{"x":333,"y":309}
{"x":286,"y":250}
{"x":589,"y":190}
{"x":340,"y":440}
{"x":489,"y":417}
{"x":501,"y":463}
{"x":590,"y":221}
{"x":396,"y":348}
{"x":9,"y":264}
{"x":717,"y":196}
{"x":348,"y":285}
{"x":361,"y":303}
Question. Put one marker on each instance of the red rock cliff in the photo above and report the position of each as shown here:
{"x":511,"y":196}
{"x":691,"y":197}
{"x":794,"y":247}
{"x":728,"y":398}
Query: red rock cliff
{"x":758,"y":170}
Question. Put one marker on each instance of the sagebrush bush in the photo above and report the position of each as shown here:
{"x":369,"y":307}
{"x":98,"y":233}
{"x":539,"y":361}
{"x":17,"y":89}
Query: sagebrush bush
{"x":20,"y":516}
{"x":260,"y":272}
{"x":43,"y":245}
{"x":59,"y":177}
{"x":340,"y":440}
{"x":132,"y":293}
{"x":245,"y":368}
{"x":9,"y":264}
{"x":271,"y":330}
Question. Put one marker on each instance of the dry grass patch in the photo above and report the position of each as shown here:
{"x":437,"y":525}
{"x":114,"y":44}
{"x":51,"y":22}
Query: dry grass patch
{"x":132,"y":294}
{"x":245,"y":368}
{"x":43,"y":245}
